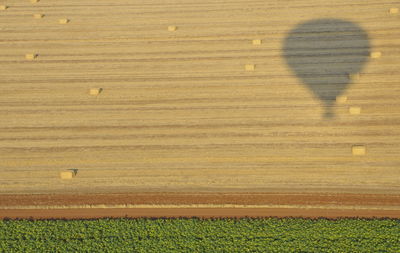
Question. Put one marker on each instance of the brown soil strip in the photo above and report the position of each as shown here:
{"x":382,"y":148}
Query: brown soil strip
{"x":370,"y":205}
{"x":194,"y":212}
{"x":380,"y":200}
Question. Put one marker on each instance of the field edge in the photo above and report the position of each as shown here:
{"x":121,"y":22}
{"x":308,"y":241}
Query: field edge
{"x":201,"y":205}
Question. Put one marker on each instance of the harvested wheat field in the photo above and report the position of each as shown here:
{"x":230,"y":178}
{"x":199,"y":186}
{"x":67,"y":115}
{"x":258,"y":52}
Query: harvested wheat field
{"x":292,"y":106}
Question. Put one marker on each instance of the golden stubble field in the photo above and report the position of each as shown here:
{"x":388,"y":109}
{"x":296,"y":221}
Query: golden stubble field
{"x":179,"y":111}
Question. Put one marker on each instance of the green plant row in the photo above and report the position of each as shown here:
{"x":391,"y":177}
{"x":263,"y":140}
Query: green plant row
{"x":197,"y":235}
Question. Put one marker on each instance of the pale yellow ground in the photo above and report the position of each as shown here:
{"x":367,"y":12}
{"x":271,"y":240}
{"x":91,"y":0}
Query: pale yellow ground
{"x":178,"y":111}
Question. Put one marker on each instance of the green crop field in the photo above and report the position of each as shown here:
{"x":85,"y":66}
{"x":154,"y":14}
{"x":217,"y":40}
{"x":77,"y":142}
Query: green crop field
{"x":195,"y":235}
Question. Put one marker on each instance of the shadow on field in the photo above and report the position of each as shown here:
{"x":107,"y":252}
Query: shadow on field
{"x":323,"y":53}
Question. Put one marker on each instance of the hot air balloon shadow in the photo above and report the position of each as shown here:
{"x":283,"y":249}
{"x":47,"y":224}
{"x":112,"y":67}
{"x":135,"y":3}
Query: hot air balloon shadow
{"x":323,"y":53}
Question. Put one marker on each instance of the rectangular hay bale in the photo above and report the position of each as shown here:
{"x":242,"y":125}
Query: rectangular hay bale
{"x":341,"y":99}
{"x":95,"y":91}
{"x":257,"y":42}
{"x":249,"y":67}
{"x":358,"y":150}
{"x":354,"y":76}
{"x":355,"y":110}
{"x":63,"y":21}
{"x":30,"y":56}
{"x":67,"y":174}
{"x":172,"y":28}
{"x":375,"y":55}
{"x":38,"y":15}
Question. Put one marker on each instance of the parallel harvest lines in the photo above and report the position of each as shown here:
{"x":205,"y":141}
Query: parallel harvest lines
{"x":178,"y":110}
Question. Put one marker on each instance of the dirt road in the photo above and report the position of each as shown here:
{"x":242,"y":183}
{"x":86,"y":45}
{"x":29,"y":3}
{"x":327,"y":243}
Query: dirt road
{"x":195,"y":212}
{"x":202,"y":205}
